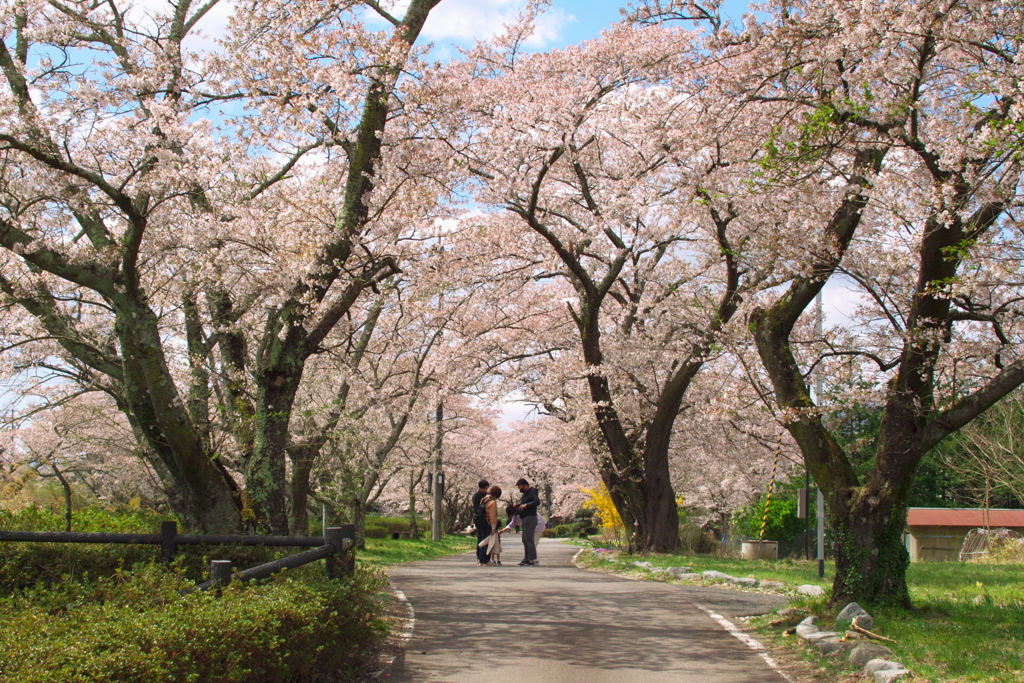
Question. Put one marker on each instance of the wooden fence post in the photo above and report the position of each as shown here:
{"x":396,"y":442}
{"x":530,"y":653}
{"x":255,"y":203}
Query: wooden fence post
{"x":342,"y":563}
{"x":220,"y":572}
{"x":168,"y":542}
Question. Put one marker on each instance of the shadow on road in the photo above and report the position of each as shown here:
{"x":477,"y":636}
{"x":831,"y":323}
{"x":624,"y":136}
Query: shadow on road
{"x":558,"y":623}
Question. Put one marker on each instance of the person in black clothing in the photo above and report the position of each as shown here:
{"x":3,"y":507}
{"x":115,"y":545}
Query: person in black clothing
{"x":483,"y":529}
{"x":527,"y":508}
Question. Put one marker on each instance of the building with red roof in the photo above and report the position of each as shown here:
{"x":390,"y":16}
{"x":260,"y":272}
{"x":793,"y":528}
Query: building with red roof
{"x":939,"y":533}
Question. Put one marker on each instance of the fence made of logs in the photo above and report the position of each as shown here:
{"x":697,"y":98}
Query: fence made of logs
{"x":335,"y":546}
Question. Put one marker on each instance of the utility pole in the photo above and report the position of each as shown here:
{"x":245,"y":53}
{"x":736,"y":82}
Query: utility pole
{"x":435,"y":520}
{"x":818,"y":390}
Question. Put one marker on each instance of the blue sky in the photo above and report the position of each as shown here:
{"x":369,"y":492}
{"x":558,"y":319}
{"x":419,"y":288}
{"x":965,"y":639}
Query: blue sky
{"x":568,"y":22}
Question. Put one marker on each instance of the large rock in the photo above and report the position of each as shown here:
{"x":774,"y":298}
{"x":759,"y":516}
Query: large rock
{"x":811,"y":589}
{"x":678,"y":571}
{"x":772,"y":585}
{"x":718,"y":576}
{"x":821,"y":635}
{"x":880,"y":665}
{"x":865,"y":652}
{"x":688,"y":577}
{"x":889,"y":676}
{"x":744,"y":581}
{"x":851,"y":612}
{"x":643,"y":565}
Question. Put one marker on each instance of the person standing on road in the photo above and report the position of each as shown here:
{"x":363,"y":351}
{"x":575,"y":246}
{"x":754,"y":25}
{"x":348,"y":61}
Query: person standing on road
{"x":480,"y":520}
{"x":493,"y":548}
{"x":527,"y":510}
{"x":514,"y":521}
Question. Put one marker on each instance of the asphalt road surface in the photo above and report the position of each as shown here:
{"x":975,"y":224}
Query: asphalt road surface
{"x":555,"y":623}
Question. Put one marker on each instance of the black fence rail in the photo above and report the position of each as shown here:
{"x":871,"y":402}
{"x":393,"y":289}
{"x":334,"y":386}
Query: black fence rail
{"x":335,"y":546}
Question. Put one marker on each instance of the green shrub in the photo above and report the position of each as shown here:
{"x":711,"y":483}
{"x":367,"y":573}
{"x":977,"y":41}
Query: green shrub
{"x":376,"y":532}
{"x":565,"y":530}
{"x":392,"y":524}
{"x":693,"y":539}
{"x":137,"y":627}
{"x":25,"y":564}
{"x":548,"y":533}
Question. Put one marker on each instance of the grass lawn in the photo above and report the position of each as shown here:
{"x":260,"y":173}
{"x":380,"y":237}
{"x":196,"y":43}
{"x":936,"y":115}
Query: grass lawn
{"x":967,"y":623}
{"x":385,"y":551}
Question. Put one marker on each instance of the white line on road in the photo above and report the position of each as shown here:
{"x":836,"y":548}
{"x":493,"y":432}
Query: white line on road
{"x":745,"y":638}
{"x":408,"y":623}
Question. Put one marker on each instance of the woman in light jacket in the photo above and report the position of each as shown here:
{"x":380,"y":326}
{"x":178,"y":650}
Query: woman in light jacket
{"x":490,"y":503}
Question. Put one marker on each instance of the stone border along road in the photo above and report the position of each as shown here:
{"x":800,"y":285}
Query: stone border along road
{"x":558,"y":624}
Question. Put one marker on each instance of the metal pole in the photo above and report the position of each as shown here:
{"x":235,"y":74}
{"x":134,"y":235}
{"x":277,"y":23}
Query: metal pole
{"x":818,"y":390}
{"x":821,"y":535}
{"x":435,"y":519}
{"x":807,"y":517}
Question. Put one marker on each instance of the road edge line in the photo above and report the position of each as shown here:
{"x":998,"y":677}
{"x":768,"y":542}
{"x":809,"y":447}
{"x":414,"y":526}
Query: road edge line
{"x":402,"y":637}
{"x":747,"y":640}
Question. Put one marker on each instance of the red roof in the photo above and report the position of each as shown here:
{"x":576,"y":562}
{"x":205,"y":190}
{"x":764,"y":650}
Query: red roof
{"x":966,"y":517}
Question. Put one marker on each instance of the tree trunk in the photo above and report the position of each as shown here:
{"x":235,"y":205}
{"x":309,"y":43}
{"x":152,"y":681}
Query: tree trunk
{"x":302,"y":466}
{"x":156,"y":406}
{"x":871,"y":559}
{"x":359,"y":520}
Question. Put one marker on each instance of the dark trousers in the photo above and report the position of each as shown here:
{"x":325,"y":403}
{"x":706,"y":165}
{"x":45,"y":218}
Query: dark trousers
{"x":530,"y":537}
{"x":483,"y":530}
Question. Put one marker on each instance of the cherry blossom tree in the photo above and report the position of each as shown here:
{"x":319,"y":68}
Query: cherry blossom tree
{"x":893,"y":164}
{"x":125,"y":206}
{"x":615,"y":185}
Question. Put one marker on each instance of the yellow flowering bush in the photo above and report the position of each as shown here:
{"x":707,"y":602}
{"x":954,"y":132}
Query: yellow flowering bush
{"x":600,"y":501}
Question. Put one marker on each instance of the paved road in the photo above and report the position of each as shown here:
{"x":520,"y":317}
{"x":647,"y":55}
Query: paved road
{"x":558,"y":624}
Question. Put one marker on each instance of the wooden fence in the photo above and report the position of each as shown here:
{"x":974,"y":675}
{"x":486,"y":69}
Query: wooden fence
{"x":335,"y":546}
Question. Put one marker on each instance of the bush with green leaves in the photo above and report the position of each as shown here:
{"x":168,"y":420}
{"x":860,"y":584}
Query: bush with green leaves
{"x":138,"y":627}
{"x":783,"y":524}
{"x":26,"y":564}
{"x":392,"y":524}
{"x":376,"y":532}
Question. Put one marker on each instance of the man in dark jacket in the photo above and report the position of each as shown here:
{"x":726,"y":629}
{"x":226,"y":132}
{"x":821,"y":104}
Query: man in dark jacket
{"x":483,"y":529}
{"x":527,"y":508}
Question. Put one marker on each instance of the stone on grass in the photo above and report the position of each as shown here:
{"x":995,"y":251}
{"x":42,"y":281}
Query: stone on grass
{"x":744,"y":581}
{"x":678,"y":571}
{"x":834,"y":648}
{"x":688,"y":577}
{"x":865,"y":652}
{"x":880,"y":665}
{"x":855,"y":611}
{"x":772,"y":585}
{"x":645,"y":565}
{"x":821,"y":635}
{"x":718,"y":576}
{"x":658,"y":570}
{"x":811,"y":589}
{"x":807,"y":627}
{"x":890,"y":675}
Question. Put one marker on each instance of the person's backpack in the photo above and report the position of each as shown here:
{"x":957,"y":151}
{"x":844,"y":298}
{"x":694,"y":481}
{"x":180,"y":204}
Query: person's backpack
{"x":480,"y":512}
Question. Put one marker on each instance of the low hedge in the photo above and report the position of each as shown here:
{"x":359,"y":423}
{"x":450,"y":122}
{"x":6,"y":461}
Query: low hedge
{"x":376,"y":532}
{"x":25,"y":564}
{"x":137,"y":627}
{"x":392,"y":524}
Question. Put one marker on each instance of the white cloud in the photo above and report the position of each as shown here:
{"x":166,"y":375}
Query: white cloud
{"x":471,"y":20}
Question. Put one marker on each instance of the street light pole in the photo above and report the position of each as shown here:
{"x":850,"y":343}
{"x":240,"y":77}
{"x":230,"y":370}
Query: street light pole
{"x":818,"y":389}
